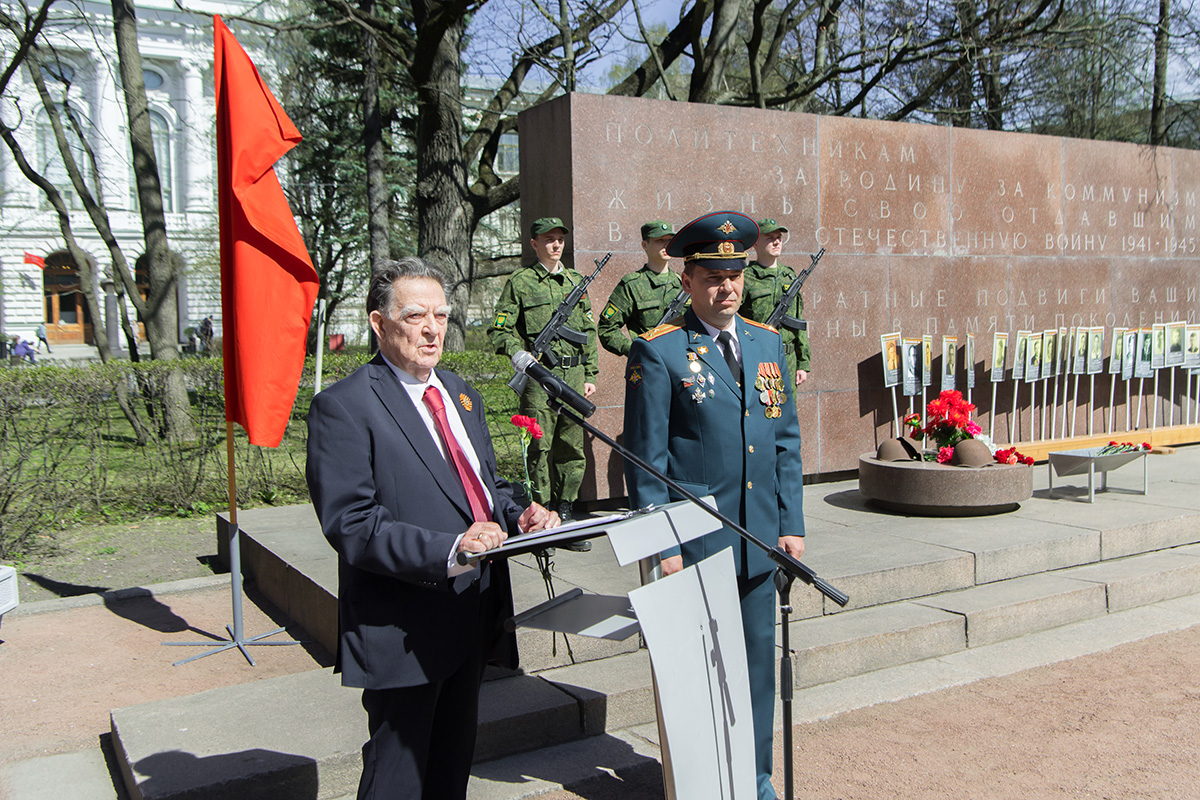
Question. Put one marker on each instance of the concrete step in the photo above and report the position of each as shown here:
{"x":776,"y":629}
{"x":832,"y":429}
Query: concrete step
{"x":301,"y":736}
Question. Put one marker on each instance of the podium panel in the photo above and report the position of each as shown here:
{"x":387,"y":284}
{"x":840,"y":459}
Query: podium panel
{"x":693,"y":629}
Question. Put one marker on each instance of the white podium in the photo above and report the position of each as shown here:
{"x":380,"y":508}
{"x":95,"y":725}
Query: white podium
{"x":692,"y":626}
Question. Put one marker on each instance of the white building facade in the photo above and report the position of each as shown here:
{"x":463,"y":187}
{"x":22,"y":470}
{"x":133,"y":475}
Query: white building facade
{"x":39,"y":281}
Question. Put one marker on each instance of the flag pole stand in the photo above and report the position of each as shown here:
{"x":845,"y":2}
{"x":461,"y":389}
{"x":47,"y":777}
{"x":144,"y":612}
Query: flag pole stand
{"x":236,"y":637}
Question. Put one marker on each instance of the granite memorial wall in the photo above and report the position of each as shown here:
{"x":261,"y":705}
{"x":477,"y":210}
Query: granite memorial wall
{"x":928,"y":230}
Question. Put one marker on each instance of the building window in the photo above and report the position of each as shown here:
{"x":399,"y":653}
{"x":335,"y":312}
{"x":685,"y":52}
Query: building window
{"x":50,"y":159}
{"x":161,"y":131}
{"x":507,"y":156}
{"x":152,"y":80}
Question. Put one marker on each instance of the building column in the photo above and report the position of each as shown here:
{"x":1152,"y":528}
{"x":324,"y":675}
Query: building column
{"x":198,"y":170}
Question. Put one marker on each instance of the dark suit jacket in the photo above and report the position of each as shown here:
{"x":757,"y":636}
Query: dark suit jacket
{"x":713,"y":438}
{"x":392,"y":506}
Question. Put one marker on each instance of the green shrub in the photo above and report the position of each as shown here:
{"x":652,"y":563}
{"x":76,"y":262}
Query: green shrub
{"x":69,"y":454}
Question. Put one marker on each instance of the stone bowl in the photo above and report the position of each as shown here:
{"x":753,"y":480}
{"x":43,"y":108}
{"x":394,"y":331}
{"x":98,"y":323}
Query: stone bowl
{"x":928,"y":489}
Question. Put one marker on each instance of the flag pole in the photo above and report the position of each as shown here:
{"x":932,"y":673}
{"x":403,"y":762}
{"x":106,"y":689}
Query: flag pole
{"x":236,"y":636}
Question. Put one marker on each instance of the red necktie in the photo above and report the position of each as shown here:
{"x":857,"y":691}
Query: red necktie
{"x":476,"y":495}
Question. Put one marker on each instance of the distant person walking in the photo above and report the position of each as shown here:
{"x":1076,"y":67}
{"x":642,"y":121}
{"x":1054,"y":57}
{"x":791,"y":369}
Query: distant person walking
{"x":206,"y":333}
{"x":41,"y":337}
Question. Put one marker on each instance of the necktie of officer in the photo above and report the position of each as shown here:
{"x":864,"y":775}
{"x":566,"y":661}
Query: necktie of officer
{"x":726,"y":340}
{"x":476,"y":495}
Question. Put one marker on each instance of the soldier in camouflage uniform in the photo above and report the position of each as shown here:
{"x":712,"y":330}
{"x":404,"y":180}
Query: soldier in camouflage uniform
{"x":529,"y":298}
{"x":640,"y":298}
{"x":766,"y":281}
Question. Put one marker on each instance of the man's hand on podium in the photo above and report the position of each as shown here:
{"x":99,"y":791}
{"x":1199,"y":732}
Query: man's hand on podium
{"x":672,"y":565}
{"x":538,"y":518}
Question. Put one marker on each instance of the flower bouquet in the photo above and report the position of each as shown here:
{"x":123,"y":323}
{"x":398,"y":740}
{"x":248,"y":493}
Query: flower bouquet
{"x":1122,"y":447}
{"x":947,"y":422}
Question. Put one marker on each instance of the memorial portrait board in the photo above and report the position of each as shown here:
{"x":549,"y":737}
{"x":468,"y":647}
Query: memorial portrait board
{"x":911,"y":364}
{"x":970,"y":360}
{"x":1191,"y":355}
{"x":1158,"y":351}
{"x":1020,"y":355}
{"x":1116,"y":357}
{"x":927,"y":360}
{"x":949,"y":363}
{"x":999,"y":356}
{"x":1144,"y":368}
{"x":1176,"y":332}
{"x":1050,"y":353}
{"x":1064,"y":352}
{"x":889,"y":348}
{"x":1080,"y":366}
{"x":1033,"y":358}
{"x":1131,"y":353}
{"x":1095,"y":350}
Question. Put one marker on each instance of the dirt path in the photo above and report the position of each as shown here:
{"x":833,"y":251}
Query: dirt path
{"x":1119,"y":725}
{"x":66,"y":670}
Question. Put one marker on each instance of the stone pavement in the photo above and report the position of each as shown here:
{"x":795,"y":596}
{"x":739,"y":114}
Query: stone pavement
{"x":934,"y":603}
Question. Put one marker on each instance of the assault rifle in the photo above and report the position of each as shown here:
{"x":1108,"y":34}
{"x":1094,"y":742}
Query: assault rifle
{"x":557,"y":327}
{"x":780,"y":315}
{"x":675,"y":308}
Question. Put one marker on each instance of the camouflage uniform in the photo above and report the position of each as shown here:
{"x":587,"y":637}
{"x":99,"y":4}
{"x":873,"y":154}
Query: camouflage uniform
{"x":529,"y":299}
{"x":764,"y":286}
{"x":637,"y":303}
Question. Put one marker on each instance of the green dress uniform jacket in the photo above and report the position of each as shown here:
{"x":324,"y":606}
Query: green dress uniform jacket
{"x":763,"y":288}
{"x":741,"y":445}
{"x":637,"y":303}
{"x":556,"y":461}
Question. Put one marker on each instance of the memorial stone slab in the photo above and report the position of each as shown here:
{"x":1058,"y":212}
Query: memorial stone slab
{"x":929,"y":230}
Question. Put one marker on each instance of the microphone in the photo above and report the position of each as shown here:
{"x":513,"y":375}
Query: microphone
{"x":525,"y":363}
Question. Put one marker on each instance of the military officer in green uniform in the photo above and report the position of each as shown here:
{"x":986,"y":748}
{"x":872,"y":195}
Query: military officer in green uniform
{"x":526,"y":304}
{"x":766,"y":281}
{"x":640,"y":298}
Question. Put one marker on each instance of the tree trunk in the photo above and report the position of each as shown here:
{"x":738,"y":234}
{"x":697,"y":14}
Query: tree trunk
{"x":1158,"y":104}
{"x":378,"y":217}
{"x":162,"y":322}
{"x":446,"y":217}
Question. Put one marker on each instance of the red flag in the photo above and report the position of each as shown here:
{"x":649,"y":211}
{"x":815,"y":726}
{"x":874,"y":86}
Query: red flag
{"x":30,"y":258}
{"x":268,"y":283}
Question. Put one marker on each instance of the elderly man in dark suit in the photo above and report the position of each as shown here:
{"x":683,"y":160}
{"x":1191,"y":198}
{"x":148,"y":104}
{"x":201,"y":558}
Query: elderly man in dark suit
{"x":403,"y":478}
{"x":709,"y":401}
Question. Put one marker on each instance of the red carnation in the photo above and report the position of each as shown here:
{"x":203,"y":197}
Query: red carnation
{"x":529,"y":424}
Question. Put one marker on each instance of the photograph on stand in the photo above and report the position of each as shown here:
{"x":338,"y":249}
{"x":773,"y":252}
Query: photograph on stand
{"x":1191,"y":354}
{"x":1049,"y":353}
{"x":927,"y":360}
{"x":1131,"y":353}
{"x":1158,"y":352}
{"x":1095,"y":351}
{"x":999,"y":356}
{"x":1020,"y":355}
{"x":889,"y":347}
{"x":912,"y":367}
{"x":970,"y":360}
{"x":1176,"y":332}
{"x":1033,"y":358}
{"x":949,"y":363}
{"x":1116,"y":357}
{"x":1144,"y":368}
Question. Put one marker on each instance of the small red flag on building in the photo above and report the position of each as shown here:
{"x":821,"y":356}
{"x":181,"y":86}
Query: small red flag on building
{"x":30,"y":258}
{"x":268,"y":283}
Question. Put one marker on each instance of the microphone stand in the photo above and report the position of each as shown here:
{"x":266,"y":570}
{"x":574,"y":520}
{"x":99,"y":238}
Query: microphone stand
{"x":787,"y":569}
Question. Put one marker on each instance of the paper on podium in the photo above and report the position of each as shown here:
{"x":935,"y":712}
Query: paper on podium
{"x":692,"y":623}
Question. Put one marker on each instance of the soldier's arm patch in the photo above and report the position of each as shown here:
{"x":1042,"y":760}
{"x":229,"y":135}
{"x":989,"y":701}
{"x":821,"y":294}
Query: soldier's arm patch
{"x":635,"y":374}
{"x":501,"y":320}
{"x":609,"y":311}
